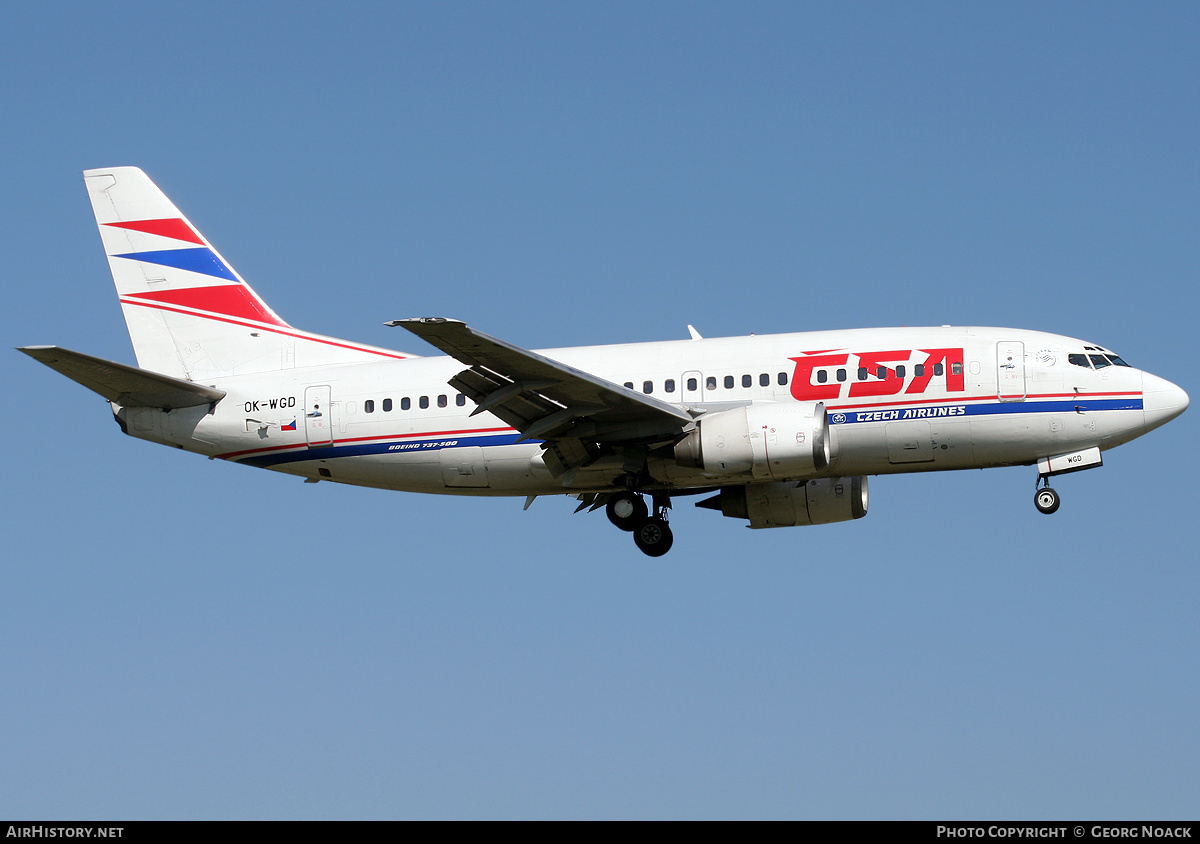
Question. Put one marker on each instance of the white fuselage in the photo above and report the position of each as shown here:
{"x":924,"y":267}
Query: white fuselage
{"x":898,"y":399}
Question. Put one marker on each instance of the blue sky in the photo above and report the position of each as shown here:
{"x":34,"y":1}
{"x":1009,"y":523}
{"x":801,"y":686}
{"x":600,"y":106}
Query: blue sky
{"x":191,"y":639}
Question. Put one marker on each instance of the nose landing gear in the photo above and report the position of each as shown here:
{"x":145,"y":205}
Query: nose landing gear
{"x":1046,"y":499}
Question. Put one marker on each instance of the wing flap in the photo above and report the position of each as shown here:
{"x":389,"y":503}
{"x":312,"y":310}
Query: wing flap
{"x":513,"y":404}
{"x":128,"y":386}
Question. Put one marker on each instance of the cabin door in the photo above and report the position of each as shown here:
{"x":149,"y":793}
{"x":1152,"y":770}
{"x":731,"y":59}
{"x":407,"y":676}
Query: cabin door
{"x":318,"y":416}
{"x":1010,"y":370}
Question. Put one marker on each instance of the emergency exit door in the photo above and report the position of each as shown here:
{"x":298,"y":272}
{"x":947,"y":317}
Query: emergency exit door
{"x":691,"y":388}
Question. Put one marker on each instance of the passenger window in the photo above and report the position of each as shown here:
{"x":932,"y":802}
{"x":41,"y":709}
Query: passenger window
{"x":881,"y":373}
{"x":387,"y":405}
{"x":956,"y":368}
{"x":442,"y":402}
{"x":728,"y":382}
{"x":369,"y":406}
{"x":938,"y":369}
{"x":710,"y":383}
{"x":919,"y":370}
{"x":460,"y":400}
{"x":862,"y":373}
{"x":405,"y":403}
{"x":747,"y":380}
{"x":841,"y":375}
{"x":822,"y":376}
{"x":669,"y":385}
{"x":900,"y":370}
{"x":1099,"y":361}
{"x":692,"y":384}
{"x":424,"y":402}
{"x":647,"y":387}
{"x":782,"y":379}
{"x":764,"y":380}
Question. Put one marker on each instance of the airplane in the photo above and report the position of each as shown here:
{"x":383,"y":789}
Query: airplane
{"x":776,"y":430}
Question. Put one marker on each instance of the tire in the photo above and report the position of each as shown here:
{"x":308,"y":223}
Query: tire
{"x":653,"y":537}
{"x":1046,"y":500}
{"x":626,"y":510}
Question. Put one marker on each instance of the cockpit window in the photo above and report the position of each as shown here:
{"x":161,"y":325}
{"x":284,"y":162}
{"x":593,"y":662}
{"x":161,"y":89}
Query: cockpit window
{"x":1116,"y":360}
{"x":1079,"y":360}
{"x":1100,"y":361}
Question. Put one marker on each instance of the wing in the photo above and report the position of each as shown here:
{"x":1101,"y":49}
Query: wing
{"x":576,"y":413}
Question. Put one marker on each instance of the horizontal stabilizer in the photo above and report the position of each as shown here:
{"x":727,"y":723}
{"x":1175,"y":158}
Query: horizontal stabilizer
{"x":128,"y":386}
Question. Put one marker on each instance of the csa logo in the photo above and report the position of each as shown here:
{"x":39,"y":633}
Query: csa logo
{"x":809,"y":381}
{"x":838,"y":418}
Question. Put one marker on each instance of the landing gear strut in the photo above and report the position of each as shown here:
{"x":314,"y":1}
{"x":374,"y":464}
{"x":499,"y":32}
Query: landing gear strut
{"x":1046,"y":499}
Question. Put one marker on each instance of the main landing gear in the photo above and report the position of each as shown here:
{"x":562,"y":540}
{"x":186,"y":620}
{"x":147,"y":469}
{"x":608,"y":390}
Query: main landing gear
{"x":627,"y":510}
{"x":1046,"y":499}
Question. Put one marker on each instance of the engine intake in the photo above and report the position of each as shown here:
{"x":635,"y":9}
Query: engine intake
{"x":816,"y":502}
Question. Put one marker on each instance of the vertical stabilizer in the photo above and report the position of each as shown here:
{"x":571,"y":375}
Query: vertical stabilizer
{"x":189,"y":314}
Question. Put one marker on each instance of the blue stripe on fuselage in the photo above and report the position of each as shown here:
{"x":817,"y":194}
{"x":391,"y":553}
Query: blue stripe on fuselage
{"x":406,"y":446}
{"x":943,"y":411}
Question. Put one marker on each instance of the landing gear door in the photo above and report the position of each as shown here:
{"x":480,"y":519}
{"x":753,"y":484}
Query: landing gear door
{"x":318,"y":417}
{"x":1010,"y":370}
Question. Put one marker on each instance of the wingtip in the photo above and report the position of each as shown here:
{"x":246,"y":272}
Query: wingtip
{"x":34,"y":351}
{"x":420,"y":321}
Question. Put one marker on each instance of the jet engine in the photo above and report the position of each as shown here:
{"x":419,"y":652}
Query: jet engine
{"x":816,"y":502}
{"x":775,"y":440}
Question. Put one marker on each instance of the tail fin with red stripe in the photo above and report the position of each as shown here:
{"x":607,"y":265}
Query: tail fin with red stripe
{"x":189,"y":314}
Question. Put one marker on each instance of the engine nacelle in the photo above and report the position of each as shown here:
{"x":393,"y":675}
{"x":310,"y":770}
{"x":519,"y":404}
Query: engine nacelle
{"x":778,"y":440}
{"x":816,"y":502}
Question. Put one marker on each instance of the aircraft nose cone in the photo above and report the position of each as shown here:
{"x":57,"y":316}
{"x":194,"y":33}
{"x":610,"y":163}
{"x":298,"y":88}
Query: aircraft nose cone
{"x":1162,"y":401}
